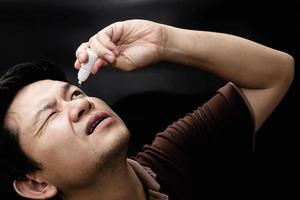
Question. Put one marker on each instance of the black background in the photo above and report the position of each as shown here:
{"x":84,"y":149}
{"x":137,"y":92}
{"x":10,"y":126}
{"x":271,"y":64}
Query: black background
{"x":151,"y":98}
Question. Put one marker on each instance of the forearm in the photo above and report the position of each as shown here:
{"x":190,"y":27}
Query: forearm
{"x":246,"y":63}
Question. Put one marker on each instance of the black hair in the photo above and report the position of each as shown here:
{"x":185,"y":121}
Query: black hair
{"x":14,"y":163}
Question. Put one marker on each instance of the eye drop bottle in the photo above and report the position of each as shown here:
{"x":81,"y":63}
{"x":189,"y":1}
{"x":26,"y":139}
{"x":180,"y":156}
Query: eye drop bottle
{"x":86,"y":68}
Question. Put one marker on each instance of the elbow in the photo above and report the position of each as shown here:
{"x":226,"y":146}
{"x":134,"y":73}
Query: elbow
{"x":285,"y":73}
{"x":289,"y":69}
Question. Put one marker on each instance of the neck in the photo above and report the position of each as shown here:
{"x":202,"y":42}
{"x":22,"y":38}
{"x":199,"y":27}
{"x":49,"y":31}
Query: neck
{"x":117,"y":184}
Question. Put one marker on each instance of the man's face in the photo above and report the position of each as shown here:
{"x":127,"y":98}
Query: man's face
{"x":71,"y":135}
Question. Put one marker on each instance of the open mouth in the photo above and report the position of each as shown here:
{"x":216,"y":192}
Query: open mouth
{"x":94,"y":121}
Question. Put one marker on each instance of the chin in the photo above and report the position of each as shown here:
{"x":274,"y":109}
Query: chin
{"x":114,"y":149}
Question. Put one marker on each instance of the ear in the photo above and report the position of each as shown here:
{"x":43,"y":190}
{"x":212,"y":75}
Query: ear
{"x":33,"y":188}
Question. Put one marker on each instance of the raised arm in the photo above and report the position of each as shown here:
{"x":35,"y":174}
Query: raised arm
{"x":262,"y":74}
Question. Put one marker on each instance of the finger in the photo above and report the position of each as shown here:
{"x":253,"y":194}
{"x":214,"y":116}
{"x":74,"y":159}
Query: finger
{"x":77,"y":64}
{"x":83,"y":57}
{"x":81,"y":53}
{"x":82,"y":48}
{"x":105,"y":40}
{"x":101,"y":50}
{"x":97,"y":65}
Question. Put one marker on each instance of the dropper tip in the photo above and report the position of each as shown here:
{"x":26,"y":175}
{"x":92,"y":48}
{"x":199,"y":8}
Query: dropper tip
{"x":79,"y":83}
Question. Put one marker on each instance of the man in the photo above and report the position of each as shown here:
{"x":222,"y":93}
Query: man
{"x":71,"y":146}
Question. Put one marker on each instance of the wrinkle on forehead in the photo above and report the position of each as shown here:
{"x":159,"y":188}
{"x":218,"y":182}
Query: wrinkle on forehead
{"x":20,"y":111}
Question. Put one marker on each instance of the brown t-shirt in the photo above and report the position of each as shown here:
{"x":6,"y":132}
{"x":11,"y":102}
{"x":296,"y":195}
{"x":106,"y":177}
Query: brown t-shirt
{"x":179,"y":154}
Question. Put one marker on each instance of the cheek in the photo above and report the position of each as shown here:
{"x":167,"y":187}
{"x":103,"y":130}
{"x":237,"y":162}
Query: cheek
{"x":61,"y":148}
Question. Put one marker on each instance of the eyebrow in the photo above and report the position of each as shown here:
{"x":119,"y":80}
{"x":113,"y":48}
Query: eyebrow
{"x":65,"y":87}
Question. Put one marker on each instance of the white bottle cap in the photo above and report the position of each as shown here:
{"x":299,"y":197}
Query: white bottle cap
{"x":86,"y":68}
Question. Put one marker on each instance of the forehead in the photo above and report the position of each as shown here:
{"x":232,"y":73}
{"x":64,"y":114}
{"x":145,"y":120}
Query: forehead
{"x":36,"y":91}
{"x":31,"y":97}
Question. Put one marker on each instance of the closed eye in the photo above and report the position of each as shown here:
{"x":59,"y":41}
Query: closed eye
{"x":49,"y":117}
{"x":45,"y":122}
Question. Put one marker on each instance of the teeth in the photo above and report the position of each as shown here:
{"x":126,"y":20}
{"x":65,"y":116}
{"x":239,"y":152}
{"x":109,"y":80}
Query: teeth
{"x":94,"y":126}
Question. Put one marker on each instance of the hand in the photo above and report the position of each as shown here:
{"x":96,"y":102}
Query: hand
{"x":127,"y":45}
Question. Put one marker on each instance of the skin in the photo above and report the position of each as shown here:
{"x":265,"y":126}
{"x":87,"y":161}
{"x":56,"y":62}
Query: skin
{"x":71,"y":160}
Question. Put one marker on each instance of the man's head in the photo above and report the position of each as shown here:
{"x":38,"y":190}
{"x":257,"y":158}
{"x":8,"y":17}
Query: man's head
{"x":54,"y":138}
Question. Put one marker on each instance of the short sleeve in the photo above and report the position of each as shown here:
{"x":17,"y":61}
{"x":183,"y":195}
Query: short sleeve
{"x":222,"y":124}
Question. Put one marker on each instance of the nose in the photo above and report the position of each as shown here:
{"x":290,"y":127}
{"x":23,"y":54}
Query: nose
{"x":78,"y":108}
